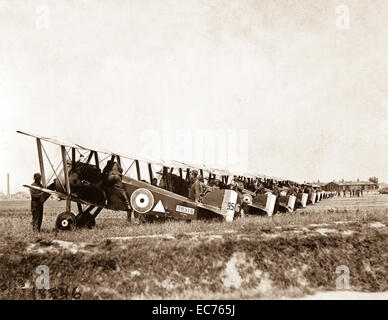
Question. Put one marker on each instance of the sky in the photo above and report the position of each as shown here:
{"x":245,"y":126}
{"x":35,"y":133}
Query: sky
{"x":293,"y":89}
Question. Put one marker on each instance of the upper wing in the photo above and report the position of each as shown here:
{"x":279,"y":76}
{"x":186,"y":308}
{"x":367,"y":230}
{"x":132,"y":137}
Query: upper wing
{"x":53,"y":140}
{"x":162,"y":163}
{"x":61,"y":142}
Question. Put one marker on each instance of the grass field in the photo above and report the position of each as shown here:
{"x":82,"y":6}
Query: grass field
{"x":288,"y":255}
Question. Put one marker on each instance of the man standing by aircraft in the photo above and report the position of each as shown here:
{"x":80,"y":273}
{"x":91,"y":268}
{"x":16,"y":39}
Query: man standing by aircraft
{"x":216,"y":185}
{"x":37,"y":200}
{"x":195,"y":187}
{"x":113,"y":172}
{"x":259,"y":188}
{"x":292,"y":190}
{"x":202,"y":184}
{"x":275,"y":189}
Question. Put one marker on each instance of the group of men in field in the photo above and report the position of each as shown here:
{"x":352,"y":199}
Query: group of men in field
{"x":358,"y":192}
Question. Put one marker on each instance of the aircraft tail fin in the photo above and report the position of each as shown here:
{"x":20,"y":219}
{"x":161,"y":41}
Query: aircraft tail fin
{"x":291,"y":203}
{"x":270,"y":205}
{"x":229,"y":205}
{"x":304,"y":199}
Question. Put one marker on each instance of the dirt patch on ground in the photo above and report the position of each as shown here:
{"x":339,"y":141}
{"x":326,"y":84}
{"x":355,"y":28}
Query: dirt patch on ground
{"x":58,"y":246}
{"x":151,"y":236}
{"x":377,"y":225}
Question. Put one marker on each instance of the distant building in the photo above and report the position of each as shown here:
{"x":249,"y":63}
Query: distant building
{"x":21,"y":195}
{"x":350,"y":185}
{"x":317,"y":184}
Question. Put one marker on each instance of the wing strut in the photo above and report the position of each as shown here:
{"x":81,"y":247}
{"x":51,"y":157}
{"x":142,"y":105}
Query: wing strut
{"x":150,"y":172}
{"x":54,"y":171}
{"x":41,"y":164}
{"x":138,"y":170}
{"x":73,"y":156}
{"x":96,"y":159}
{"x":66,"y":173}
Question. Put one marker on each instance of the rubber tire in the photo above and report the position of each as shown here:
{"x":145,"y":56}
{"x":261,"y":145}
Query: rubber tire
{"x":85,"y":220}
{"x":91,"y":223}
{"x":71,"y":221}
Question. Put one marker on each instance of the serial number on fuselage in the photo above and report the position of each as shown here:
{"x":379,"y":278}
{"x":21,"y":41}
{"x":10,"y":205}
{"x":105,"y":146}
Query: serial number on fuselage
{"x":185,"y":209}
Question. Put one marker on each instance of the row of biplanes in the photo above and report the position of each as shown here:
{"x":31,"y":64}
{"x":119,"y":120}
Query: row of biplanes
{"x":158,"y":190}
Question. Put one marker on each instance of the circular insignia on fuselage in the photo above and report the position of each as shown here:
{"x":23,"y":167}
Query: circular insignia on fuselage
{"x":142,"y":200}
{"x":247,"y":198}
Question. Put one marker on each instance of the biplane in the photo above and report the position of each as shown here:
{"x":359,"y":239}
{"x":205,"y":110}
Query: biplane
{"x":287,"y":199}
{"x":79,"y":178}
{"x":312,"y":198}
{"x":301,"y":199}
{"x":255,"y":203}
{"x":265,"y":202}
{"x":320,"y":194}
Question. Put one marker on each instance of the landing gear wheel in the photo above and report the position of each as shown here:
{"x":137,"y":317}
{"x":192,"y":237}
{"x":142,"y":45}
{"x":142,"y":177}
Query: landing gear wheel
{"x":66,"y":221}
{"x":91,"y":223}
{"x":85,"y":220}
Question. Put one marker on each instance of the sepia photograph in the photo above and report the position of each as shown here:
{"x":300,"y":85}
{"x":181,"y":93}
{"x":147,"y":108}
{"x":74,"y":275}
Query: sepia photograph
{"x":193,"y":154}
